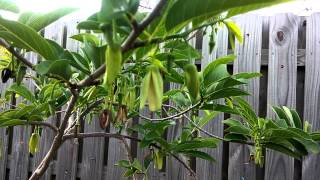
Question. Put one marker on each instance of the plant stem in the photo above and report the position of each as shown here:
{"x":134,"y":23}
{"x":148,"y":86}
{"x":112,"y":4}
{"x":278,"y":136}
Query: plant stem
{"x":57,"y":141}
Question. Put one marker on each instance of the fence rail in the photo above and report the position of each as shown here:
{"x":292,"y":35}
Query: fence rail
{"x":285,"y":48}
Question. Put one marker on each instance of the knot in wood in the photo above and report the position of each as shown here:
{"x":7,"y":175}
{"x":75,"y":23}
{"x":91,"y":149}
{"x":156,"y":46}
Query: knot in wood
{"x":280,"y":35}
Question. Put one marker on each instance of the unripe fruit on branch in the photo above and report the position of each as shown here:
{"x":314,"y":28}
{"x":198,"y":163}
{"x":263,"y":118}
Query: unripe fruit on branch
{"x":113,"y":64}
{"x":152,"y":89}
{"x":192,"y":81}
{"x":33,"y":143}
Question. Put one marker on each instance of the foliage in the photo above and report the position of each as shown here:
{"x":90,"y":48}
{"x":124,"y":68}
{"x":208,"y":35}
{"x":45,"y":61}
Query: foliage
{"x":140,"y":54}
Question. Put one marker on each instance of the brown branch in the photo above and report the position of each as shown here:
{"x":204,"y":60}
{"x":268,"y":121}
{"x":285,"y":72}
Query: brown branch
{"x":127,"y":44}
{"x":16,"y":54}
{"x":57,"y":141}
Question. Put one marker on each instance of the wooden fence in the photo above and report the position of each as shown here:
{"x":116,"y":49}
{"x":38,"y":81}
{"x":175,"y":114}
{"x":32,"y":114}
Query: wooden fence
{"x":285,"y":48}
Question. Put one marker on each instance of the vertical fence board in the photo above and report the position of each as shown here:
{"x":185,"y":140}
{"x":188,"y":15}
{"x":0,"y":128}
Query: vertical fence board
{"x":152,"y":173}
{"x":55,"y":33}
{"x":20,"y":153}
{"x":310,"y":168}
{"x":68,"y":153}
{"x":281,"y":84}
{"x":248,"y":60}
{"x":207,"y":169}
{"x":4,"y":136}
{"x":175,"y":170}
{"x":116,"y":152}
{"x":93,"y":152}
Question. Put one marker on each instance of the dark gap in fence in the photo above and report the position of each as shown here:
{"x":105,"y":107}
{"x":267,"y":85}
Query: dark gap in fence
{"x":134,"y":144}
{"x":53,"y":177}
{"x":106,"y":148}
{"x":7,"y":173}
{"x":80,"y":142}
{"x":225,"y":154}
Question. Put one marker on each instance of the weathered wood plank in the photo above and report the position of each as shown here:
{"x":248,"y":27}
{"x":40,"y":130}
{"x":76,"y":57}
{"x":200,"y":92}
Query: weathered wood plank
{"x":93,"y":152}
{"x":55,"y":33}
{"x":310,"y":167}
{"x":68,"y":153}
{"x":142,"y":153}
{"x":116,"y":152}
{"x":248,"y":60}
{"x":21,"y":135}
{"x":206,"y":169}
{"x":281,"y":84}
{"x":4,"y":136}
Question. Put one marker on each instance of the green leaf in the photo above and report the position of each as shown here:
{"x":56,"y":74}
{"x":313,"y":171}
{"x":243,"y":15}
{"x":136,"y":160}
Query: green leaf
{"x":89,"y":25}
{"x":60,"y":68}
{"x":86,"y":37}
{"x":247,"y":75}
{"x":8,"y":5}
{"x":233,"y":137}
{"x":296,"y":118}
{"x":13,"y":122}
{"x":282,"y":115}
{"x":284,"y":150}
{"x":38,"y":21}
{"x":22,"y":91}
{"x":184,"y":11}
{"x":195,"y":144}
{"x":235,"y":30}
{"x":199,"y":154}
{"x":123,"y":163}
{"x":232,"y":122}
{"x":28,"y":38}
{"x":227,"y":92}
{"x":239,"y":130}
{"x":209,"y":117}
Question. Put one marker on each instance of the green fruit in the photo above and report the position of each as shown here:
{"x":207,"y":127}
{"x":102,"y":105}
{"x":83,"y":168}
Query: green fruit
{"x":33,"y":143}
{"x":192,"y":81}
{"x":152,"y":89}
{"x":113,"y":64}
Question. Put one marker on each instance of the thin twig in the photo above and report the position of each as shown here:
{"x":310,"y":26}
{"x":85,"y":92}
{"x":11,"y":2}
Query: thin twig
{"x":16,"y":54}
{"x":173,"y":116}
{"x":127,"y":45}
{"x":120,"y":137}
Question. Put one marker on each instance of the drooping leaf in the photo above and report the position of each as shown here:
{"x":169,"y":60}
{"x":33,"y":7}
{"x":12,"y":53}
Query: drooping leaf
{"x":26,"y":37}
{"x":235,"y":30}
{"x":38,"y":21}
{"x":86,"y":37}
{"x":22,"y":91}
{"x":184,"y":11}
{"x":8,"y":5}
{"x":60,"y":68}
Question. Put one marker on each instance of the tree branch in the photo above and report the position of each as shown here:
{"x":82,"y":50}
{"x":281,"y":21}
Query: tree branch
{"x":57,"y":141}
{"x":127,"y":44}
{"x":16,"y":54}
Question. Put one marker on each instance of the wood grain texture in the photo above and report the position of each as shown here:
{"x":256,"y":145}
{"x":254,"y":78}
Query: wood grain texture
{"x":93,"y":152}
{"x":116,"y":152}
{"x":68,"y":153}
{"x":283,"y":38}
{"x":55,"y":33}
{"x":311,"y":168}
{"x":206,"y":169}
{"x":4,"y":136}
{"x":19,"y":167}
{"x":248,"y":60}
{"x":153,"y":173}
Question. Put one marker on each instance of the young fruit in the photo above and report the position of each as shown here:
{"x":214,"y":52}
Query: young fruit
{"x":33,"y":143}
{"x":113,"y":64}
{"x":192,"y":81}
{"x":152,"y":89}
{"x":105,"y":118}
